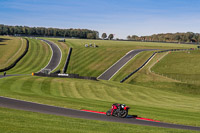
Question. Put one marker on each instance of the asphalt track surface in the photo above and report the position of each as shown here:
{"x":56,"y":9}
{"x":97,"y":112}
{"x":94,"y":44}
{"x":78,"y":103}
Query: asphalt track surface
{"x":110,"y":72}
{"x":47,"y":109}
{"x":56,"y":57}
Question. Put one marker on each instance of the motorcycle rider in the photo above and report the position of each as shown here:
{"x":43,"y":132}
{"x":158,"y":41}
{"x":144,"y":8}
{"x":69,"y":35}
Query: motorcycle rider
{"x":118,"y":110}
{"x":114,"y":108}
{"x":123,"y":105}
{"x":117,"y":106}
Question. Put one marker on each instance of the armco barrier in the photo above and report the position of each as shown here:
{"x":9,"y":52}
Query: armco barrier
{"x":18,"y":59}
{"x":67,"y":60}
{"x":150,"y":59}
{"x":65,"y":76}
{"x":58,"y":71}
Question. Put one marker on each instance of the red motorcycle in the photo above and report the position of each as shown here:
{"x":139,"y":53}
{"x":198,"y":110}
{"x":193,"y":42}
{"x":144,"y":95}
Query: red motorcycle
{"x":118,"y":110}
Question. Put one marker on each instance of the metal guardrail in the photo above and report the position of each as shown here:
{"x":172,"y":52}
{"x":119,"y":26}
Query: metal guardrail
{"x":124,"y":79}
{"x":67,"y":61}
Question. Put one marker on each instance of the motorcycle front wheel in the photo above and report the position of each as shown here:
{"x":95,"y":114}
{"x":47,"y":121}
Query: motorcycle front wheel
{"x":123,"y":114}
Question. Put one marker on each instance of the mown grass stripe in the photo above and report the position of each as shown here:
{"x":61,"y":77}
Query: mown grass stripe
{"x":25,"y":61}
{"x":45,"y":87}
{"x":75,"y":91}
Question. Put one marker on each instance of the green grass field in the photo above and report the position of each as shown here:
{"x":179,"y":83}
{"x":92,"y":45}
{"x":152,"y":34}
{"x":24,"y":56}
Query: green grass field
{"x":36,"y":58}
{"x":30,"y":122}
{"x":149,"y":92}
{"x":10,"y":49}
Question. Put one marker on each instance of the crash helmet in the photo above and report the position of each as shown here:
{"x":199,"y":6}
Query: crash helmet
{"x":123,"y":105}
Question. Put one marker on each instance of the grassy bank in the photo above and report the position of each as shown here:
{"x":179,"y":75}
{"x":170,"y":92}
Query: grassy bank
{"x":10,"y":49}
{"x":183,"y":66}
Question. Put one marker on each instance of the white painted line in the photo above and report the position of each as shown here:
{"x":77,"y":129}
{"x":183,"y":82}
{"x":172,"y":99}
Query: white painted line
{"x":51,"y":56}
{"x":123,"y":65}
{"x":113,"y":64}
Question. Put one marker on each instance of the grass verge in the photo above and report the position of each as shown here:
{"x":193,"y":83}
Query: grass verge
{"x":31,"y":122}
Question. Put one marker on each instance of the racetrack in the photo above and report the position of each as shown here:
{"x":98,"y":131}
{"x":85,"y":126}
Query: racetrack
{"x":47,"y":109}
{"x":56,"y":56}
{"x":110,"y":72}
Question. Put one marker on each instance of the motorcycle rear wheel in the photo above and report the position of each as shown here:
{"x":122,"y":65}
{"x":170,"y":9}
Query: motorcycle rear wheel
{"x":108,"y":113}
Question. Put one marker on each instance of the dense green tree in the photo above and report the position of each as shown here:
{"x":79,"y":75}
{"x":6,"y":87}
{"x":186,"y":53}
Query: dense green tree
{"x":169,"y":37}
{"x":41,"y":31}
{"x":129,"y":37}
{"x":104,"y":36}
{"x":91,"y":36}
{"x":111,"y":36}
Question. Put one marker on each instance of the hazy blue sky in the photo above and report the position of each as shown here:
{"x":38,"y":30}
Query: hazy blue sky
{"x":120,"y":17}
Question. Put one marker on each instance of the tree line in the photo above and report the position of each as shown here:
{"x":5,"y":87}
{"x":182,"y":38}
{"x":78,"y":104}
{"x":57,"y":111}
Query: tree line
{"x":104,"y":36}
{"x":188,"y":37}
{"x":52,"y":32}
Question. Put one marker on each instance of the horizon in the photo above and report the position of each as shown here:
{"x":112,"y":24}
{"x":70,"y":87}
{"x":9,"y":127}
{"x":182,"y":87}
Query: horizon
{"x":130,"y":17}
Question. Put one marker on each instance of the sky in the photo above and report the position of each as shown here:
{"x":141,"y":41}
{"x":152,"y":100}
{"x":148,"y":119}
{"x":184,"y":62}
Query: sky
{"x":119,"y":17}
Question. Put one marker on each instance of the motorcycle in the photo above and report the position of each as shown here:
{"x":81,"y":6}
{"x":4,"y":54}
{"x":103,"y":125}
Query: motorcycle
{"x":118,"y":110}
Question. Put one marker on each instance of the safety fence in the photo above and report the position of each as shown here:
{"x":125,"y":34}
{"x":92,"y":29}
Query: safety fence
{"x":18,"y":59}
{"x":149,"y":60}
